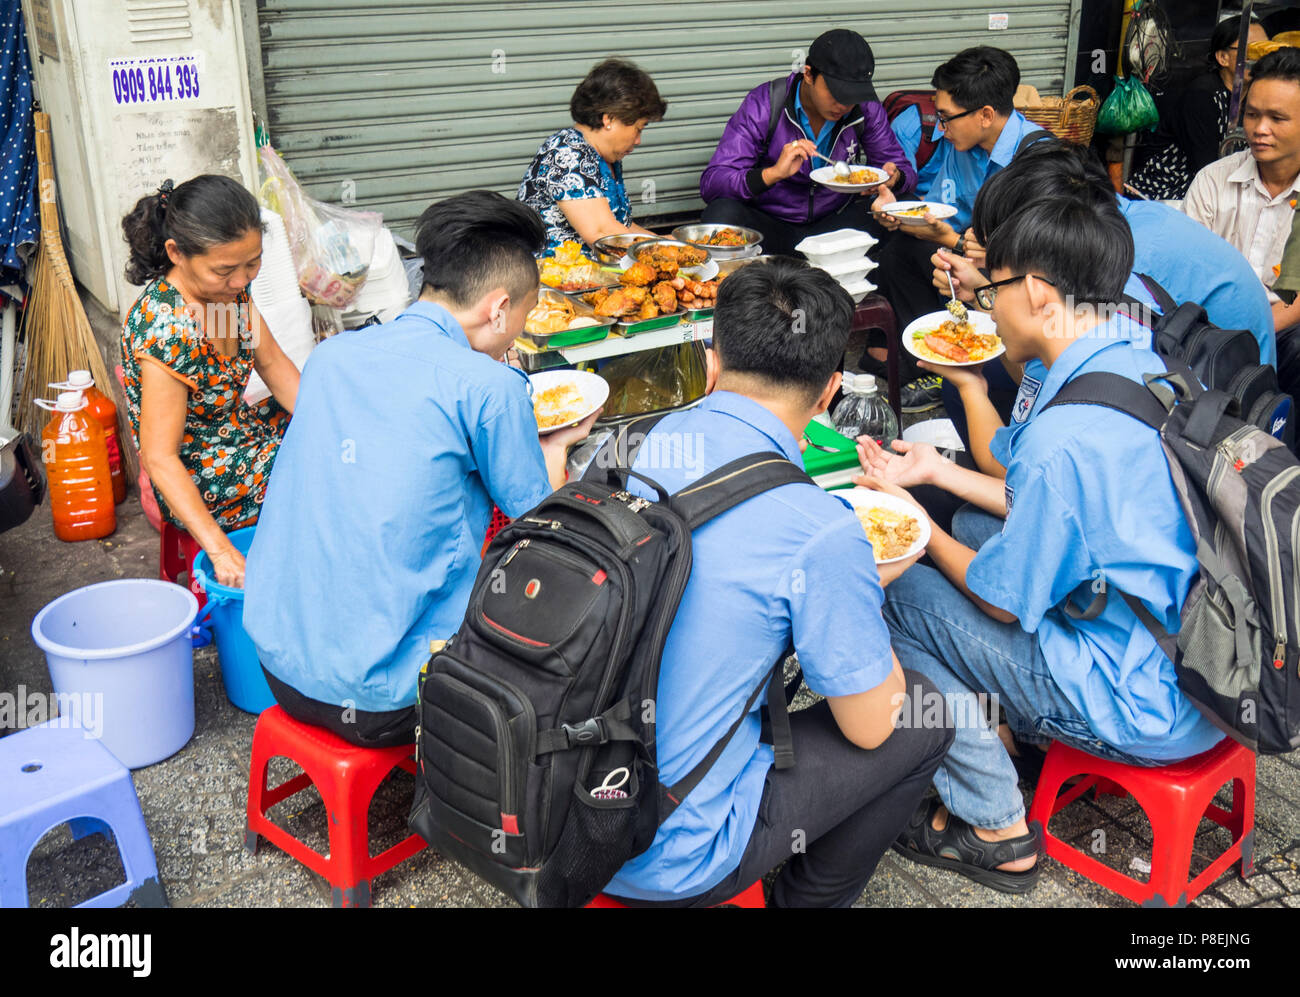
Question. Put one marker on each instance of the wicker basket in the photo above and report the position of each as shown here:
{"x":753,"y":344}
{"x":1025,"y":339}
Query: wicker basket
{"x":1072,"y":117}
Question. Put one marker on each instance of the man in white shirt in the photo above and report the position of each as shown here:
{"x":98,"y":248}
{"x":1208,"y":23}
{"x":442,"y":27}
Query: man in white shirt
{"x":1249,"y":198}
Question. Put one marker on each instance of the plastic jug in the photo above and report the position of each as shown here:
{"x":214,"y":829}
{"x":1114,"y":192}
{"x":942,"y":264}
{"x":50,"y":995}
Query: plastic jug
{"x":862,"y":412}
{"x":76,"y":466}
{"x":104,"y":411}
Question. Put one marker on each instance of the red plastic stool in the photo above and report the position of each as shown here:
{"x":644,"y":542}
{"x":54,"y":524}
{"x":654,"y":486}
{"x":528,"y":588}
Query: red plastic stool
{"x":875,"y":313}
{"x":750,"y":897}
{"x":347,"y":777}
{"x":176,"y":553}
{"x":498,"y":523}
{"x":1174,"y":797}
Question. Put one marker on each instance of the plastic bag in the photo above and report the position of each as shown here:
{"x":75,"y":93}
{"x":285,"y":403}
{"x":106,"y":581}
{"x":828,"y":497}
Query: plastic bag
{"x":1129,"y":108}
{"x":331,"y":246}
{"x":654,"y":380}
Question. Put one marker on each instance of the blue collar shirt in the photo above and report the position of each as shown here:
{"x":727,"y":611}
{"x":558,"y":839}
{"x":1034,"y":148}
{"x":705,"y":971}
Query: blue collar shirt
{"x":823,"y":138}
{"x":1090,"y":502}
{"x":791,"y":564}
{"x":370,"y":537}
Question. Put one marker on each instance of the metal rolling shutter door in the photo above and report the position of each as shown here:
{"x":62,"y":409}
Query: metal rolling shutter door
{"x":413,"y":101}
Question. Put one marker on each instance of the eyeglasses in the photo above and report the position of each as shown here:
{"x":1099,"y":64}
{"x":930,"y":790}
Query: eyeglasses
{"x":986,"y":295}
{"x":953,"y":117}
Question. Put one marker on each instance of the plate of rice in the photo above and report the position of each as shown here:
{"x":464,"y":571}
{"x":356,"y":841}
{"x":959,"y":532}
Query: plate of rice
{"x":896,"y":528}
{"x":566,"y":397}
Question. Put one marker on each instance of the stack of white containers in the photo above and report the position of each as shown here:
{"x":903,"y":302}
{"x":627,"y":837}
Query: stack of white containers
{"x":284,"y":310}
{"x":843,"y":255}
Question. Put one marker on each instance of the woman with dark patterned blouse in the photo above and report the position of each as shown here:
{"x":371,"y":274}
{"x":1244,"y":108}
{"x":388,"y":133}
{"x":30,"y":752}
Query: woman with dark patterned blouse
{"x":575,"y":182}
{"x":1199,"y":124}
{"x":189,"y":344}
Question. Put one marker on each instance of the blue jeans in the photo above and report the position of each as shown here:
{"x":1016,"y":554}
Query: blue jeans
{"x":940,"y":633}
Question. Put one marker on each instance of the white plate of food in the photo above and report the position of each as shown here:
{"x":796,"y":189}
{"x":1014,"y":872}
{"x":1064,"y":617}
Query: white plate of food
{"x":914,"y":212}
{"x":566,"y":397}
{"x":860,"y":178}
{"x":896,"y":528}
{"x":938,"y":338}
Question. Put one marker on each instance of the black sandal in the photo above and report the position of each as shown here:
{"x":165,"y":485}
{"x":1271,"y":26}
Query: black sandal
{"x":958,"y":848}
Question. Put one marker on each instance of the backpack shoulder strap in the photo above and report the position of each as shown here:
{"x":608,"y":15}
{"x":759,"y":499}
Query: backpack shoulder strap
{"x":777,"y":93}
{"x":1164,"y":300}
{"x":1029,"y":138}
{"x":620,"y":449}
{"x":1114,"y":392}
{"x":734,"y":483}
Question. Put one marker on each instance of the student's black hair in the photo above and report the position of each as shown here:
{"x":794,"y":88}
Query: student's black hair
{"x":1086,"y":251}
{"x":783,"y":322}
{"x":978,"y":77}
{"x":620,"y":89}
{"x":1049,"y":168}
{"x":199,"y":214}
{"x":1225,"y":35}
{"x":477,"y":241}
{"x":1284,"y":64}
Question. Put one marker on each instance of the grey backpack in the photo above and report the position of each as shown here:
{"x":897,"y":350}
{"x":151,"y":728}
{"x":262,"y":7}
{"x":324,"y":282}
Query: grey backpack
{"x":1237,"y":650}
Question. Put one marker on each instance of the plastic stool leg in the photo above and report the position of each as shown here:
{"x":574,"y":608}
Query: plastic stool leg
{"x":121,"y":810}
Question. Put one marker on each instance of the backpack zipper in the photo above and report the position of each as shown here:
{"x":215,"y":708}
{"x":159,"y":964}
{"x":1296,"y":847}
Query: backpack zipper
{"x":1280,"y":653}
{"x":1272,"y":554}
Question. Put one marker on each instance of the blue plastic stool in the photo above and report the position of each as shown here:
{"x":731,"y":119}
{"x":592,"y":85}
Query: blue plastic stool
{"x":50,"y":775}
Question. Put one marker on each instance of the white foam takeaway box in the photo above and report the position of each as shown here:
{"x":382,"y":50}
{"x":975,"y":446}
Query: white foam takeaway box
{"x":839,"y":246}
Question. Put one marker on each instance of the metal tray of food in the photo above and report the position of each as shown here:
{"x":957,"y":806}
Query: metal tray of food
{"x":629,"y":329}
{"x":700,"y":234}
{"x":566,"y":337}
{"x":602,"y":277}
{"x":641,"y":248}
{"x":611,"y":249}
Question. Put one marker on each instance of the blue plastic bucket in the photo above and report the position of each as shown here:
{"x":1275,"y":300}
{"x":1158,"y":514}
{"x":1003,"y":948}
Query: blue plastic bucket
{"x":240,"y":670}
{"x":119,"y":655}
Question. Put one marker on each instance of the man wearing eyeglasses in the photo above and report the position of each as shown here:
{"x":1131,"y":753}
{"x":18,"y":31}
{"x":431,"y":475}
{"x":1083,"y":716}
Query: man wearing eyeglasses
{"x":981,"y":133}
{"x":1009,"y":608}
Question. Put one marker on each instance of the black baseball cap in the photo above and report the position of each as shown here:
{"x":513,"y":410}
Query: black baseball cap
{"x":845,"y":59}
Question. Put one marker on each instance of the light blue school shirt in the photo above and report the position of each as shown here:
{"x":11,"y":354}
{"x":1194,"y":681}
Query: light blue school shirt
{"x":1193,"y":264}
{"x":368,"y":542}
{"x":791,"y":563}
{"x":952,"y":177}
{"x":1089,"y":501}
{"x":823,"y":138}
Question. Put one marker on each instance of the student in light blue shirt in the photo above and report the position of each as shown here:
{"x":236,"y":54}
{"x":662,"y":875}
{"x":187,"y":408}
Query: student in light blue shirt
{"x":1087,"y":496}
{"x":789,"y":566}
{"x":404,"y":436}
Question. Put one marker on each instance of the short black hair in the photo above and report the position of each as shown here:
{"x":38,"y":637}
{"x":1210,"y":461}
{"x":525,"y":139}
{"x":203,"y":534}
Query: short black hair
{"x":1086,"y":251}
{"x":620,"y":89}
{"x":1226,"y":34}
{"x":477,"y":241}
{"x":1049,"y":168}
{"x":203,"y":212}
{"x":1284,"y":64}
{"x":978,"y":77}
{"x":783,"y":322}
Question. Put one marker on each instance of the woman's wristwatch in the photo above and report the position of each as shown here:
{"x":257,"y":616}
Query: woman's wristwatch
{"x":960,"y":247}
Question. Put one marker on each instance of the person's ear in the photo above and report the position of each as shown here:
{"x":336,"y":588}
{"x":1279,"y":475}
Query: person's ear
{"x":1224,"y":58}
{"x":987,"y":116}
{"x":829,"y":392}
{"x":711,"y":370}
{"x":1040,"y":294}
{"x":607,"y":120}
{"x":807,"y":75}
{"x":498,"y":310}
{"x":173,"y":251}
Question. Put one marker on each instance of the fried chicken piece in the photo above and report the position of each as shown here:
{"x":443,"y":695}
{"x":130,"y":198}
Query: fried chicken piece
{"x":648,"y":310}
{"x":665,"y":297}
{"x":636,"y":295}
{"x":666,"y":269}
{"x":690,"y":257}
{"x":596,"y":298}
{"x":638,"y":274}
{"x":616,"y":304}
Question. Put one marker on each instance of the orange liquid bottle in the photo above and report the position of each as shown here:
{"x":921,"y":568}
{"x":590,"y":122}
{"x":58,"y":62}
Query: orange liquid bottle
{"x":102,"y":409}
{"x":76,"y":467}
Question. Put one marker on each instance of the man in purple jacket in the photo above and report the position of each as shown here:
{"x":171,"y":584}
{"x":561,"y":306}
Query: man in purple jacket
{"x":759,"y":175}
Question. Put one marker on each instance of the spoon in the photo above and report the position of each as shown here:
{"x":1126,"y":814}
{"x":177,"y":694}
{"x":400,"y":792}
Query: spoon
{"x":818,"y":446}
{"x":841,"y":168}
{"x":955,"y":308}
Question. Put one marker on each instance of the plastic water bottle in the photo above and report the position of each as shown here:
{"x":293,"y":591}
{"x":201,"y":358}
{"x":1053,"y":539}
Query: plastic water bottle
{"x":76,"y":464}
{"x":101,"y":407}
{"x":862,"y":412}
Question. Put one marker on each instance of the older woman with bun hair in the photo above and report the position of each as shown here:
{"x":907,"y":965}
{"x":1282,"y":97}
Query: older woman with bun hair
{"x":189,"y":344}
{"x":575,"y":182}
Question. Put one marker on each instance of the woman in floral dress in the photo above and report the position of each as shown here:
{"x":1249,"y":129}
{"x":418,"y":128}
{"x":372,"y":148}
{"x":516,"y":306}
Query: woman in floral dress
{"x":575,"y":182}
{"x":189,"y":344}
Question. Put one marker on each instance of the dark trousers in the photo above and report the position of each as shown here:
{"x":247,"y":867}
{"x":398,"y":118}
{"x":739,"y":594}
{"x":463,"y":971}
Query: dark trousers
{"x":836,"y":811}
{"x":364,"y":729}
{"x":904,"y":278}
{"x":780,"y":236}
{"x":1002,"y":393}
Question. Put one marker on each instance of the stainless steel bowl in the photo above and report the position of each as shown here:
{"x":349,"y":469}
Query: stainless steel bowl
{"x":612,"y":248}
{"x":696,"y":234}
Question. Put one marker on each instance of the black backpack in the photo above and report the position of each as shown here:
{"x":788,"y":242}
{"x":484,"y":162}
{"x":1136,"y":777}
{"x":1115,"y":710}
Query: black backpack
{"x":1237,"y":650}
{"x":1224,"y":360}
{"x":536,"y":742}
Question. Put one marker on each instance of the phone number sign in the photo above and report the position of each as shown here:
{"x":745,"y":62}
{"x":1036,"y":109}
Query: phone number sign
{"x":161,"y":79}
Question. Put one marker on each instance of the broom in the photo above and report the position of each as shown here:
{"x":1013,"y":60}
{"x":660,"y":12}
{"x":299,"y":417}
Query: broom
{"x":55,"y":327}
